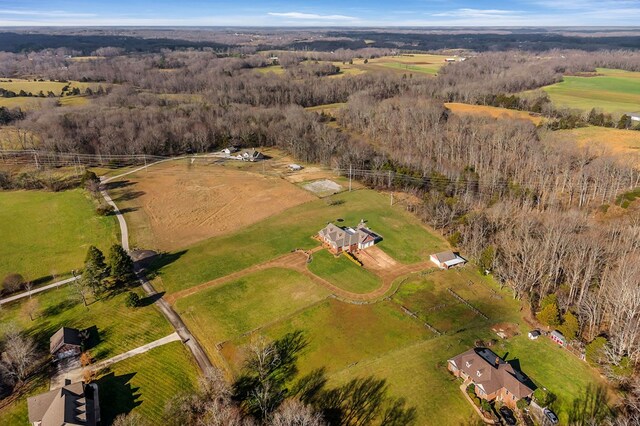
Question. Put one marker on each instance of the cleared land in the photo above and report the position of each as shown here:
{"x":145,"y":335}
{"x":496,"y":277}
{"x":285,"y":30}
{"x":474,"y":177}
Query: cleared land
{"x":16,"y":138}
{"x":495,"y":112}
{"x":34,"y":87}
{"x":419,"y":63}
{"x":243,"y":305}
{"x":610,"y":90}
{"x":145,"y":383}
{"x":179,"y":203}
{"x":405,"y":238}
{"x":343,"y":273}
{"x":615,"y":141}
{"x":48,"y":233}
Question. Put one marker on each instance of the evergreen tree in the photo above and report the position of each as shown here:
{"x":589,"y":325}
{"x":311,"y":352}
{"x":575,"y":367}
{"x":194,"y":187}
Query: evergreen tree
{"x":94,"y":270}
{"x":549,"y":315}
{"x":570,"y":325}
{"x":120,"y":263}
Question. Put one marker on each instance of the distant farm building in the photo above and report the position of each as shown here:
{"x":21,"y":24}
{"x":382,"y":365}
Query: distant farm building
{"x":65,"y":343}
{"x":229,"y":150}
{"x":343,"y":238}
{"x":493,"y":377}
{"x":250,"y":155}
{"x":447,"y":259}
{"x":74,"y":404}
{"x":634,"y":116}
{"x":558,"y":337}
{"x":534,"y":334}
{"x":294,"y":167}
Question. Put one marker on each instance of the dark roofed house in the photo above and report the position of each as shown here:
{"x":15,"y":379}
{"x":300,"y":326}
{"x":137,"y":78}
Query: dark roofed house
{"x":493,"y":377}
{"x":343,"y":238}
{"x":65,"y":343}
{"x":73,"y":405}
{"x":447,"y":259}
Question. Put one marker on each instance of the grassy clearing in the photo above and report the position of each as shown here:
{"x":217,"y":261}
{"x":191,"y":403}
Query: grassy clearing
{"x":48,"y":233}
{"x":343,"y":273}
{"x":15,"y":138}
{"x":612,"y":91}
{"x":405,"y":239}
{"x":342,"y":335}
{"x":31,"y":86}
{"x":63,"y":307}
{"x":145,"y":383}
{"x":226,"y":312}
{"x":276,"y":69}
{"x":616,"y":141}
{"x":428,"y":297}
{"x":495,"y":112}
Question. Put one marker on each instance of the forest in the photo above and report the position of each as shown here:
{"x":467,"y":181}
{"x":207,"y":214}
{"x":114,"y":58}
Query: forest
{"x":525,"y":207}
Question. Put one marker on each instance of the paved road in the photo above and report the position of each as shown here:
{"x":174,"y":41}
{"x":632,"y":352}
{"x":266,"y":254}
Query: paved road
{"x":35,"y":291}
{"x":187,"y":338}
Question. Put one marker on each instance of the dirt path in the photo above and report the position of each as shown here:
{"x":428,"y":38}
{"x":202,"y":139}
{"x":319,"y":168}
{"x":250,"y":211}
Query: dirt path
{"x":297,"y":261}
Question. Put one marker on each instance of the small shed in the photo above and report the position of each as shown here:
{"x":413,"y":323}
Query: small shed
{"x":295,"y":167}
{"x":447,"y":259}
{"x":558,"y":337}
{"x":65,"y":343}
{"x":229,"y":150}
{"x":534,"y":334}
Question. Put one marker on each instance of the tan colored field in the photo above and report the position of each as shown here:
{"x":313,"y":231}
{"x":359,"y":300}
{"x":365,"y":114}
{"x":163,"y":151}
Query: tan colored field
{"x":460,"y":108}
{"x":14,"y":138}
{"x":184,"y":203}
{"x":615,"y":141}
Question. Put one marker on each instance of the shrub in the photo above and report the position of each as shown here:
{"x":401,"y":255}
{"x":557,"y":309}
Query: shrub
{"x":570,"y":326}
{"x":132,"y":300}
{"x":543,"y":397}
{"x":104,"y":209}
{"x":549,"y":315}
{"x":12,"y":283}
{"x":484,"y":404}
{"x":594,"y":351}
{"x":522,"y":404}
{"x":85,"y":359}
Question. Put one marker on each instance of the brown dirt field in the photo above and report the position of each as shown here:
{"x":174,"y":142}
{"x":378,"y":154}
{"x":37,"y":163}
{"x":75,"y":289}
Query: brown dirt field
{"x":495,"y":112}
{"x":310,"y":173}
{"x":374,"y":258}
{"x":184,"y":206}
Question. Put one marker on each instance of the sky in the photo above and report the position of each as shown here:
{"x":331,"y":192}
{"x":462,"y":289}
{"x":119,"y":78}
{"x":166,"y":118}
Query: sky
{"x":348,"y":13}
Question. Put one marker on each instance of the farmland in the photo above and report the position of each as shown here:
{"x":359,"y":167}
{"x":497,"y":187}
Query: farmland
{"x":495,"y":112}
{"x":614,"y":91}
{"x":47,"y":233}
{"x":614,"y":141}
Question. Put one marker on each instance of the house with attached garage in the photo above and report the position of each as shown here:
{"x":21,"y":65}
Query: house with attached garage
{"x":250,"y":155}
{"x":65,"y":343}
{"x":75,"y":404}
{"x":447,"y":259}
{"x":346,"y":239}
{"x":493,"y":377}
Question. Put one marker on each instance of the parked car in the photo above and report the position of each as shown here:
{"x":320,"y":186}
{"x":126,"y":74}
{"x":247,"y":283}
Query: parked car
{"x":551,"y":416}
{"x":507,"y":416}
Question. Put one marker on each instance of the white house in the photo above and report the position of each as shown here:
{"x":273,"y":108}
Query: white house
{"x":229,"y":150}
{"x":250,"y":155}
{"x":534,"y":334}
{"x":295,"y":167}
{"x":447,"y":259}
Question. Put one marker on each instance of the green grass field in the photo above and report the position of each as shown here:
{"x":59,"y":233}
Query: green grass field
{"x":343,"y":273}
{"x":237,"y":307}
{"x":17,"y":84}
{"x":145,"y":383}
{"x":48,"y":233}
{"x":117,"y":333}
{"x":404,"y":238}
{"x":612,"y":91}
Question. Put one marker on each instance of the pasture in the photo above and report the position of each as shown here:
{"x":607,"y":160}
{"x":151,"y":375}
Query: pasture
{"x":32,"y":86}
{"x":495,"y":112}
{"x":180,"y":203}
{"x":613,"y":91}
{"x":404,"y":238}
{"x":47,"y":234}
{"x":145,"y":383}
{"x":614,"y":141}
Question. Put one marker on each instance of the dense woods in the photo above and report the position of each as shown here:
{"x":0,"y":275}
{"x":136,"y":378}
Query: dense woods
{"x":527,"y":209}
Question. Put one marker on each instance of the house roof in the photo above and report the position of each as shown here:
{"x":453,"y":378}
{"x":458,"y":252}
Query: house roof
{"x":488,"y":370}
{"x":448,"y":258}
{"x":557,"y":335}
{"x":534,"y":332}
{"x":65,"y":406}
{"x":64,"y":336}
{"x":345,"y":236}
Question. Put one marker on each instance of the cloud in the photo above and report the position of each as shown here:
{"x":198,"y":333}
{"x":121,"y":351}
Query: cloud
{"x":312,"y":16}
{"x":475,"y":13}
{"x":45,"y":13}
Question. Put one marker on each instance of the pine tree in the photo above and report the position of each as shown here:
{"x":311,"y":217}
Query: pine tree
{"x":570,"y":325}
{"x":120,"y":263}
{"x":549,"y":315}
{"x":94,"y":270}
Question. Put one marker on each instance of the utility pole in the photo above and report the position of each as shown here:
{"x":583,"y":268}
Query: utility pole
{"x":390,"y":189}
{"x":350,"y":177}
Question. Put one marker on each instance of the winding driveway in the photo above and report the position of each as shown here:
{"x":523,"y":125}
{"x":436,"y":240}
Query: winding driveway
{"x":203,"y":361}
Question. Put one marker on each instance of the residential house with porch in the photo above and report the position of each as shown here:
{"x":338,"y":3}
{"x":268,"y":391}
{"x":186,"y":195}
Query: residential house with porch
{"x":346,"y":239}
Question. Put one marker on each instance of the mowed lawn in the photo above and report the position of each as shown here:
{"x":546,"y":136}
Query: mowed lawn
{"x":227,"y":311}
{"x":613,"y":91}
{"x":343,"y":273}
{"x":119,"y":329}
{"x":145,"y":383}
{"x":48,"y":233}
{"x":404,"y":238}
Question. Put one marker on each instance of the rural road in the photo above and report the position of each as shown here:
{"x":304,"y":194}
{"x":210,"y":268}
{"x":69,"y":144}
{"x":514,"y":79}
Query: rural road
{"x":36,"y":290}
{"x":203,"y":361}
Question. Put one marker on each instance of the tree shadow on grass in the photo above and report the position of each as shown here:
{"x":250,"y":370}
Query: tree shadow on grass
{"x":129,"y":195}
{"x":153,"y":266}
{"x":118,"y":184}
{"x":150,"y":300}
{"x":117,"y":396}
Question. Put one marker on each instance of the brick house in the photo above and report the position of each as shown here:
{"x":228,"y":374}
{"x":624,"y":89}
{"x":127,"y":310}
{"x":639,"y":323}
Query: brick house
{"x":493,"y":377}
{"x":343,"y":238}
